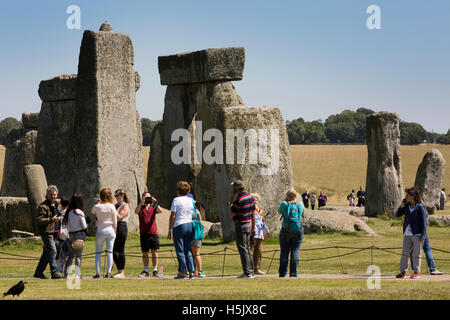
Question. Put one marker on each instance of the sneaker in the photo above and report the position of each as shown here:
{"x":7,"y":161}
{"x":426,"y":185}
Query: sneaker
{"x":201,"y":274}
{"x":156,"y":274}
{"x":96,"y":276}
{"x":108,"y":275}
{"x":401,"y":275}
{"x":40,"y":276}
{"x":181,"y":276}
{"x":192,"y":275}
{"x":56,"y":276}
{"x":415,"y":275}
{"x":259,"y":273}
{"x":244,"y":276}
{"x":144,"y":274}
{"x":436,"y":273}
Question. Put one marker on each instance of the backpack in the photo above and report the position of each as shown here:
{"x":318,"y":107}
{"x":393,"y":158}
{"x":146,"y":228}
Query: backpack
{"x":294,"y":217}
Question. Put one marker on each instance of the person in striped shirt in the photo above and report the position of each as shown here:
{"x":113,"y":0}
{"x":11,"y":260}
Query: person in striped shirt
{"x":242,"y":210}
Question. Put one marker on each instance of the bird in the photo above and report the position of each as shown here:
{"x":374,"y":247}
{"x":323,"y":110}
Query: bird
{"x":16,"y":289}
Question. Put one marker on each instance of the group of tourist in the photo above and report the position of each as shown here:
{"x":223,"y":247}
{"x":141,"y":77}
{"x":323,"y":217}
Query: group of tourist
{"x":311,"y":198}
{"x":63,"y":227}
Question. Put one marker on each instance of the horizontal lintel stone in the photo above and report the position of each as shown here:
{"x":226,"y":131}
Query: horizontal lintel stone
{"x":202,"y":66}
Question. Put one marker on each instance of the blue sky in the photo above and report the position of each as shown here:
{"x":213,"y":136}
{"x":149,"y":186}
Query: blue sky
{"x":308,"y":58}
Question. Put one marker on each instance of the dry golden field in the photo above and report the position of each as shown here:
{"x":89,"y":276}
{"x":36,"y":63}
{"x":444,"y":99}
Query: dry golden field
{"x":335,"y":169}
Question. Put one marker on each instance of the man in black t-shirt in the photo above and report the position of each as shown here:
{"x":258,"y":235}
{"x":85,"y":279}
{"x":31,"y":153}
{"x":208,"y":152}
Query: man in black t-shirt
{"x":361,"y":195}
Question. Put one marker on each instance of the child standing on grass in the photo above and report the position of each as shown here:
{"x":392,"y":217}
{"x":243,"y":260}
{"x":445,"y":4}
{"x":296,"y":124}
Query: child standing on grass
{"x":260,"y":230}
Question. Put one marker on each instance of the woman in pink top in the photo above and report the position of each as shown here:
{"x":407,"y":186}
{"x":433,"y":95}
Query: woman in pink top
{"x":106,"y":214}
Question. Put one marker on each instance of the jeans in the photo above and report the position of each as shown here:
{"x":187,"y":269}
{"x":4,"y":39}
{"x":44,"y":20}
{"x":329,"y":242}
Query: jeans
{"x":77,"y":254}
{"x":243,"y":233}
{"x":428,"y":255}
{"x":104,"y":234}
{"x":48,"y":256}
{"x":290,"y":244}
{"x":182,"y":236}
{"x":119,"y":245}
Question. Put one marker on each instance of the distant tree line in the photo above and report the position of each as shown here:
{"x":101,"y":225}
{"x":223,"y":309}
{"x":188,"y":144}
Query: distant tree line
{"x":6,"y":125}
{"x":346,"y":127}
{"x":350,"y":127}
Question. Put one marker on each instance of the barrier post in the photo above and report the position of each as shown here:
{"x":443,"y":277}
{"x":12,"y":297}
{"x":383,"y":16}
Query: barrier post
{"x":371,"y":255}
{"x":339,"y":255}
{"x":271,"y":260}
{"x":224,"y":255}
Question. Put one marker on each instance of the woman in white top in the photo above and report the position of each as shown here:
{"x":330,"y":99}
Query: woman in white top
{"x":181,"y":221}
{"x":75,"y":222}
{"x":106,"y":230}
{"x":123,"y":208}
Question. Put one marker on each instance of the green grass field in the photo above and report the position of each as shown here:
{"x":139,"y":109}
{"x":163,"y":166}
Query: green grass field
{"x":389,"y":236}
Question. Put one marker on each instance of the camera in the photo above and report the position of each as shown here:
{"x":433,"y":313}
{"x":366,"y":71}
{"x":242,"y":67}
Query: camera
{"x":151,"y":201}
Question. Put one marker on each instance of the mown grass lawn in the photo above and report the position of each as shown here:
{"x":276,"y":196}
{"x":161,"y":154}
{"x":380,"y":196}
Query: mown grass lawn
{"x":389,"y":236}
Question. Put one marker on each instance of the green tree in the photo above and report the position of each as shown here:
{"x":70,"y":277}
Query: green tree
{"x":147,"y":128}
{"x":6,"y":126}
{"x":296,"y":131}
{"x":412,"y":133}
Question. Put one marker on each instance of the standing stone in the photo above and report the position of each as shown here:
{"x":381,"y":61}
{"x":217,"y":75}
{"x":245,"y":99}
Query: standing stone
{"x":55,"y":149}
{"x":429,"y":177}
{"x":15,"y":213}
{"x":384,"y":186}
{"x":201,"y":99}
{"x":36,"y":187}
{"x":30,"y":120}
{"x":107,"y":150}
{"x":20,"y":151}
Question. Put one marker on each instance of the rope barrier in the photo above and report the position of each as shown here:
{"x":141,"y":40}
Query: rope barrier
{"x":226,"y":252}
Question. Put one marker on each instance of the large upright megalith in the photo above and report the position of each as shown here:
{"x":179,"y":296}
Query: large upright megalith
{"x":107,"y":143}
{"x":55,"y":141}
{"x":225,"y":139}
{"x":20,"y":151}
{"x":429,"y":177}
{"x":384,"y":187}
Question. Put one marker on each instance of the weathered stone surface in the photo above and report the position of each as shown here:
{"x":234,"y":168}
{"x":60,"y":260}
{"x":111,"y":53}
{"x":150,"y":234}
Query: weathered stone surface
{"x":36,"y":187}
{"x":106,"y":26}
{"x":202,"y":66}
{"x":429,"y":178}
{"x":15,"y":213}
{"x":55,"y":148}
{"x":270,"y":180}
{"x":108,"y":152}
{"x":384,"y":186}
{"x":137,"y":81}
{"x":215,"y":231}
{"x":442,"y":220}
{"x":30,"y":120}
{"x":333,"y":221}
{"x":59,"y":88}
{"x":20,"y":151}
{"x":354,"y":211}
{"x":15,"y":241}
